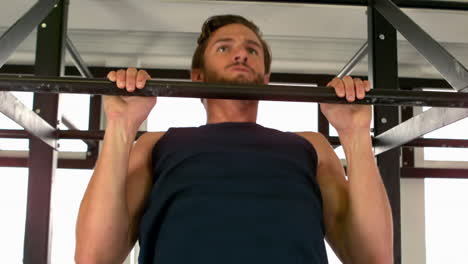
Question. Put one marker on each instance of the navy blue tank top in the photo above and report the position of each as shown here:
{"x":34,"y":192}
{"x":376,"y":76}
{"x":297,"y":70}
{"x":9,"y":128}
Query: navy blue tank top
{"x":233,"y":193}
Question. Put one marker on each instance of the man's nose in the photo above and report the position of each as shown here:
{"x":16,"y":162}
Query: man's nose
{"x":240,"y":56}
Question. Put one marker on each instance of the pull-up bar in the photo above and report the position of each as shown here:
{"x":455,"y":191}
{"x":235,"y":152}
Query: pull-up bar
{"x":231,"y":91}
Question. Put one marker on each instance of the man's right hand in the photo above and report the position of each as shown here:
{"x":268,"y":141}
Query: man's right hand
{"x":133,"y":110}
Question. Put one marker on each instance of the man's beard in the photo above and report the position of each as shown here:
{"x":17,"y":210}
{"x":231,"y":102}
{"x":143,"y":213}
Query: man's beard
{"x":213,"y":77}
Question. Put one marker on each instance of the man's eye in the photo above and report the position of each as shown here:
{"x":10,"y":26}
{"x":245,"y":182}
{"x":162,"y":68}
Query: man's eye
{"x":252,"y":51}
{"x":222,"y":49}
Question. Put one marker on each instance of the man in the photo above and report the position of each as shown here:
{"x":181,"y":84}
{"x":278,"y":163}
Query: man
{"x":232,"y":191}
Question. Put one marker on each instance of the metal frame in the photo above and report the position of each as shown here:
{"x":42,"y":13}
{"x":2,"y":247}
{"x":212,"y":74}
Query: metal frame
{"x":25,"y":117}
{"x":77,"y":60}
{"x":417,"y":126}
{"x":423,"y":173}
{"x":11,"y":39}
{"x":42,"y":166}
{"x":349,"y":67}
{"x":94,"y":105}
{"x":425,"y":4}
{"x":42,"y":158}
{"x":383,"y":74}
{"x":452,"y":70}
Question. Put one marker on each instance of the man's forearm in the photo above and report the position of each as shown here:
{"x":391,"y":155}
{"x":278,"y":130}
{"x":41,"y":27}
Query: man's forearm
{"x":369,"y":222}
{"x":103,"y":220}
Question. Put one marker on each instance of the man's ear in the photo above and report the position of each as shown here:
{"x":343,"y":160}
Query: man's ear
{"x":266,"y":78}
{"x":196,"y":75}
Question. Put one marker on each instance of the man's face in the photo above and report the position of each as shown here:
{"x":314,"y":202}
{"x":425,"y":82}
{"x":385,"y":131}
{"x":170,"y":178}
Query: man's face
{"x":234,"y":54}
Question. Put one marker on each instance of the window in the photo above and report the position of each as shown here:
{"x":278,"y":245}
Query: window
{"x":13,"y":199}
{"x":68,"y":190}
{"x":446,"y":219}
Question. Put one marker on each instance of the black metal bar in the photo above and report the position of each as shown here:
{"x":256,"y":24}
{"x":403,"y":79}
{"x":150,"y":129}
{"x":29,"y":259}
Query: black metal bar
{"x":77,"y":60}
{"x":421,"y":143}
{"x":10,"y":40}
{"x":426,"y":4}
{"x":91,"y":135}
{"x":408,"y":153}
{"x":450,"y":68}
{"x":432,"y":4}
{"x":323,"y":124}
{"x":28,"y":119}
{"x":14,"y":133}
{"x":231,"y":91}
{"x":349,"y":67}
{"x":95,"y":104}
{"x":71,"y":126}
{"x":416,"y":127}
{"x":13,"y":162}
{"x":438,"y":143}
{"x":383,"y":74}
{"x":83,"y":164}
{"x":319,"y":79}
{"x":42,"y":158}
{"x":94,"y":123}
{"x":425,"y":173}
{"x":66,"y":122}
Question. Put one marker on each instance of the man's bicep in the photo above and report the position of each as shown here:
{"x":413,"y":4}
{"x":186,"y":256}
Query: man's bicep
{"x":139,"y":180}
{"x":334,"y":189}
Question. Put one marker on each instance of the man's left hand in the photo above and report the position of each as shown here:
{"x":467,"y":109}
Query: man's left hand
{"x":348,"y":118}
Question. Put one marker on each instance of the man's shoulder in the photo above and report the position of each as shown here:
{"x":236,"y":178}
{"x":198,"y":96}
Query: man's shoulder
{"x":321,"y":144}
{"x":149,"y":139}
{"x":313,"y":137}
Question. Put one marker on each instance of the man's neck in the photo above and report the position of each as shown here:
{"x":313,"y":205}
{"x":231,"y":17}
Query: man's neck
{"x":219,"y":111}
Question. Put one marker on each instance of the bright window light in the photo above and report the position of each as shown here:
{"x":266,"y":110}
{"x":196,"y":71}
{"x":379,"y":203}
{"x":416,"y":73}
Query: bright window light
{"x":75,"y":107}
{"x":446,"y":218}
{"x":185,"y":112}
{"x":13,"y":199}
{"x":73,"y":145}
{"x":68,"y":190}
{"x":332,"y":258}
{"x":176,"y":112}
{"x":288,"y":116}
{"x":14,"y":143}
{"x":457,"y":130}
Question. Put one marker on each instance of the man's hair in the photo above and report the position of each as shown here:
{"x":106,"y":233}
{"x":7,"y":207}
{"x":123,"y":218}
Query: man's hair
{"x":214,"y":23}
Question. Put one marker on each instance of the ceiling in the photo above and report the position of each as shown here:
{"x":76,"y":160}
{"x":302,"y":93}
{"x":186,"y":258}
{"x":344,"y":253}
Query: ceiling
{"x":304,"y":38}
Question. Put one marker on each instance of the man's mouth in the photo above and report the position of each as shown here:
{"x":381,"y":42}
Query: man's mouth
{"x":240,"y":68}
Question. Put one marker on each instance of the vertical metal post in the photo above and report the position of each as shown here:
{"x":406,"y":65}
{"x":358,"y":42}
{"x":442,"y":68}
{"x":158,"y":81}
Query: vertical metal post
{"x":323,"y":125}
{"x":43,"y":158}
{"x":408,"y":152}
{"x":94,"y":101}
{"x":94,"y":124}
{"x":383,"y":73}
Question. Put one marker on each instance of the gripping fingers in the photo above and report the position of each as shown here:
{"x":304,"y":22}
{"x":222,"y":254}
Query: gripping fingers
{"x":112,"y":76}
{"x":131,"y":79}
{"x":360,"y":89}
{"x":350,"y":89}
{"x":121,"y":76}
{"x":142,"y":77}
{"x":339,"y":87}
{"x":367,"y":85}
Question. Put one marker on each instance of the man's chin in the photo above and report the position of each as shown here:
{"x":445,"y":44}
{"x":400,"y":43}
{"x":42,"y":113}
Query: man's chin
{"x":239,"y":80}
